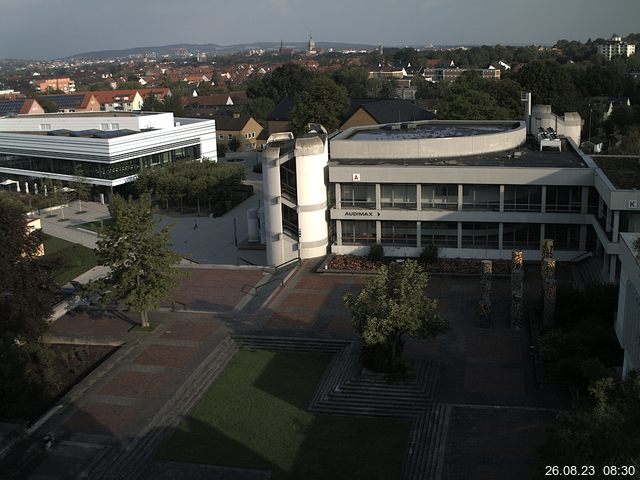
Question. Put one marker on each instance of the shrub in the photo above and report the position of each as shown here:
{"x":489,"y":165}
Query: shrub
{"x":429,"y":254}
{"x":376,"y":253}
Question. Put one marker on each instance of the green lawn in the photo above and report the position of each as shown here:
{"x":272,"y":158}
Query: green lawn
{"x":68,"y":259}
{"x":97,"y":225}
{"x":254,"y":417}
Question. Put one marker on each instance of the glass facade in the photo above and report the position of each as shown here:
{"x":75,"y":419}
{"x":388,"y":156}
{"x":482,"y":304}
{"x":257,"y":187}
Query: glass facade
{"x":398,"y":195}
{"x":440,"y":197}
{"x":440,"y":234}
{"x":358,"y":232}
{"x":358,"y":195}
{"x":481,"y":197}
{"x":290,"y":221}
{"x":398,"y":233}
{"x":104,"y":171}
{"x":522,"y":198}
{"x":563,"y":199}
{"x":565,"y":237}
{"x":480,"y":235}
{"x":289,"y":181}
{"x":525,"y":236}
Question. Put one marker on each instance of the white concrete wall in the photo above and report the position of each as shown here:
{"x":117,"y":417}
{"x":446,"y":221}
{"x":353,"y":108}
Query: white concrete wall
{"x":272,"y":206}
{"x":86,"y":121}
{"x":343,"y":146}
{"x":311,"y":160}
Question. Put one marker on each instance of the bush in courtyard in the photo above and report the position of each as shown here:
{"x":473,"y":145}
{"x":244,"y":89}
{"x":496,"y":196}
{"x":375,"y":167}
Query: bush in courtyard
{"x":376,"y":253}
{"x":429,"y":254}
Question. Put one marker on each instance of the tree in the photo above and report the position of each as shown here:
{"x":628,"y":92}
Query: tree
{"x":80,"y":185}
{"x":26,"y":285}
{"x":234,"y":144}
{"x":549,"y":83}
{"x":602,"y":433}
{"x":391,"y":305}
{"x":152,"y":104}
{"x":354,"y":79}
{"x":140,"y":258}
{"x":287,"y":80}
{"x":258,"y":108}
{"x":321,"y":102}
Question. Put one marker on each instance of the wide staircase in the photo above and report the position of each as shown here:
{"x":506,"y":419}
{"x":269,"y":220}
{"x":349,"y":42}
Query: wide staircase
{"x":345,"y":389}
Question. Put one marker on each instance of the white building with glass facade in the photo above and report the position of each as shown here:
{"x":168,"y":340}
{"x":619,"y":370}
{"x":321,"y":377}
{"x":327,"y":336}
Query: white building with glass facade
{"x":109,"y":148}
{"x":474,"y":189}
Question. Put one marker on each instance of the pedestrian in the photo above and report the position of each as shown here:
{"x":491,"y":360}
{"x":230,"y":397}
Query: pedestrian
{"x":195,"y":224}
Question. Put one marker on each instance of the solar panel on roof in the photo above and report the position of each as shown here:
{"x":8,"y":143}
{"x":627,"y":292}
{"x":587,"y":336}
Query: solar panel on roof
{"x":11,"y":106}
{"x":66,"y":101}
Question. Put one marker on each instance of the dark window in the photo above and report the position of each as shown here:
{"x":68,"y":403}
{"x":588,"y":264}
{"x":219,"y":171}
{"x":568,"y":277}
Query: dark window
{"x":480,"y":235}
{"x":398,"y":233}
{"x":440,"y":234}
{"x":358,"y":195}
{"x":358,"y":232}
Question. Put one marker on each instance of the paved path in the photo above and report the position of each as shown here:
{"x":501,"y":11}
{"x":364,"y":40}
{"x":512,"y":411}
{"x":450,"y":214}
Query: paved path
{"x":495,"y":415}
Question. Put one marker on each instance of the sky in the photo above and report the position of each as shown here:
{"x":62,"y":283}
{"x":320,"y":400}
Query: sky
{"x":45,"y":29}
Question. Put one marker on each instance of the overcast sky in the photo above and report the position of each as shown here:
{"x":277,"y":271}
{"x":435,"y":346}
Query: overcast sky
{"x":57,"y":28}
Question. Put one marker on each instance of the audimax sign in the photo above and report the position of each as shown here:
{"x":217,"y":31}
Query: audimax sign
{"x":359,"y":213}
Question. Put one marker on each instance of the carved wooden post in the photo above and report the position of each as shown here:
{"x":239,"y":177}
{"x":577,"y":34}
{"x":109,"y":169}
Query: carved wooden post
{"x":517,"y":290}
{"x":550,"y":294}
{"x":485,"y":288}
{"x":549,"y":290}
{"x":547,"y":248}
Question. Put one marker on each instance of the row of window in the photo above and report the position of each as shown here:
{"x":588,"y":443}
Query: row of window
{"x":230,"y":136}
{"x":517,"y":198}
{"x":106,"y":171}
{"x":474,"y":235}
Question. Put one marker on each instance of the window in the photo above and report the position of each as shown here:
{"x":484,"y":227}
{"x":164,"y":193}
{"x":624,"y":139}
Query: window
{"x":221,"y":137}
{"x":481,"y":197}
{"x":565,"y":237}
{"x":441,"y":197}
{"x":563,"y":199}
{"x":358,"y":195}
{"x":398,"y":233}
{"x":480,"y":235}
{"x":398,"y":196}
{"x":45,"y":127}
{"x":358,"y":232}
{"x":521,"y":235}
{"x":229,"y":137}
{"x":115,"y":126}
{"x":440,"y":234}
{"x":522,"y":198}
{"x":290,"y":221}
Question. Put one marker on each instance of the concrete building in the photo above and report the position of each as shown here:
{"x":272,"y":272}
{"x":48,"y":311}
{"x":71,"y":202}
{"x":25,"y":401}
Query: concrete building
{"x":473,"y":189}
{"x":109,"y":148}
{"x":615,"y":47}
{"x":241,"y":127}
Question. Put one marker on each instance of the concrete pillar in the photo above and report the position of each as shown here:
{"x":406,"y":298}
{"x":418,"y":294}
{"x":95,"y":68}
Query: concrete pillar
{"x":613,"y":261}
{"x":543,"y":200}
{"x":608,"y":221}
{"x":501,"y":198}
{"x":460,"y":196}
{"x":459,"y":234}
{"x":584,"y":204}
{"x":338,"y":195}
{"x":583,"y":238}
{"x":616,"y":225}
{"x":600,"y":206}
{"x":419,"y":234}
{"x":378,"y":231}
{"x":378,"y":196}
{"x":500,"y":233}
{"x":339,"y":232}
{"x":419,"y":197}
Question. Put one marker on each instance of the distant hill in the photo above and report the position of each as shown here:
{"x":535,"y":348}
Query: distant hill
{"x":212,"y":48}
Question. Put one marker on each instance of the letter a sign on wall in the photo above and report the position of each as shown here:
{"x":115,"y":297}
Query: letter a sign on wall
{"x":356,"y":177}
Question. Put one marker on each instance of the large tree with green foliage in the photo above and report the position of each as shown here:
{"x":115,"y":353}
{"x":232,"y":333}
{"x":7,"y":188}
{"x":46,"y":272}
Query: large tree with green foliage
{"x":26,"y":298}
{"x":287,"y":80}
{"x":142,"y":264}
{"x":354,"y":79}
{"x":391,"y":305}
{"x":550,"y":83}
{"x":321,"y":102}
{"x":604,"y":432}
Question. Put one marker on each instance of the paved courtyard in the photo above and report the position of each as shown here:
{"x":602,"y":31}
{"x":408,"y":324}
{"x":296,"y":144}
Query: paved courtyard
{"x":485,"y":373}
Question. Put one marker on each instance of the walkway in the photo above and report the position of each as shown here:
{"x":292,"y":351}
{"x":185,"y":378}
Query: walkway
{"x":477,"y":400}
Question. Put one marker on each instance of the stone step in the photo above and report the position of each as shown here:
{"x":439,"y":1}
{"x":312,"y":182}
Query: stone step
{"x":130,"y":462}
{"x":365,"y":411}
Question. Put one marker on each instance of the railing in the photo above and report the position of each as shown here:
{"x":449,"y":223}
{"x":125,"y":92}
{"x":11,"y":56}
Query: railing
{"x":582,"y":256}
{"x":245,"y":261}
{"x":286,"y":264}
{"x":258,"y":287}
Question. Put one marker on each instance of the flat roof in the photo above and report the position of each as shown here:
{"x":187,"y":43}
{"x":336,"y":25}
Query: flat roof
{"x":526,"y":156}
{"x":92,"y":114}
{"x":409,"y":131}
{"x":623,"y":171}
